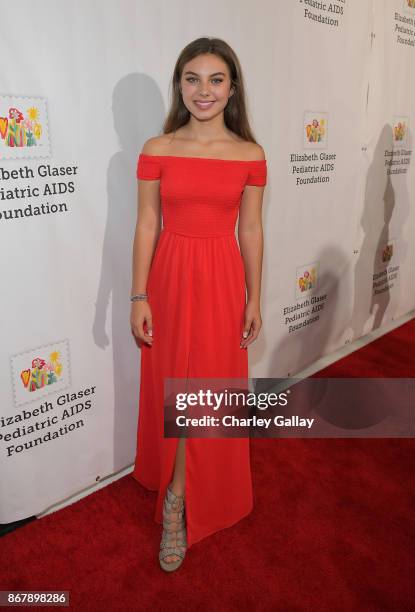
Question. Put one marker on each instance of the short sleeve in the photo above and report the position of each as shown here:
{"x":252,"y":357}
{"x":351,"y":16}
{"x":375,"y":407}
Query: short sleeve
{"x":148,"y":167}
{"x":257,"y":174}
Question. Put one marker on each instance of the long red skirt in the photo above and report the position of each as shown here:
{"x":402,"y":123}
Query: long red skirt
{"x":202,"y":333}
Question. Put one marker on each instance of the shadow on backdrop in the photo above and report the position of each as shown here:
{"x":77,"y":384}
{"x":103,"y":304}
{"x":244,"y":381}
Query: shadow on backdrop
{"x":138,"y":112}
{"x":377,"y":286}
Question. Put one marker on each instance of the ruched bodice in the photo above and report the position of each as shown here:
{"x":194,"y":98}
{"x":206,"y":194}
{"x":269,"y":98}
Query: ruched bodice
{"x":200,"y":196}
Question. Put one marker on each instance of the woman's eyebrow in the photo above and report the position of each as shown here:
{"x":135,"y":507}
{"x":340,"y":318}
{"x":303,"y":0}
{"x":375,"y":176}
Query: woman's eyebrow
{"x":213,"y":73}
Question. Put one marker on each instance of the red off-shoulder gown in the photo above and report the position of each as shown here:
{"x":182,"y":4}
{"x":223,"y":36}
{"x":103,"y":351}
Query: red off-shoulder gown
{"x":196,"y":290}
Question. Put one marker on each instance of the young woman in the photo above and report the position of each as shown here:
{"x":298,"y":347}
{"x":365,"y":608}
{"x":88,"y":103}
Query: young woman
{"x":195,"y":294}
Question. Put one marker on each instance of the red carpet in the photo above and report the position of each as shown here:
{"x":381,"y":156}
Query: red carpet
{"x":332,"y":529}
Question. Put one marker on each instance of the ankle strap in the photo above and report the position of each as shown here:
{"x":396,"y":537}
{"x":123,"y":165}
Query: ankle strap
{"x":171,"y":497}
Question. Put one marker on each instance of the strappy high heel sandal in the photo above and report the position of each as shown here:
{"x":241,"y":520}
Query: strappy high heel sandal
{"x":173,"y":541}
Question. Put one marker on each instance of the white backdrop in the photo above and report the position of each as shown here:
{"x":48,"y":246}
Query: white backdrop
{"x":331,"y":99}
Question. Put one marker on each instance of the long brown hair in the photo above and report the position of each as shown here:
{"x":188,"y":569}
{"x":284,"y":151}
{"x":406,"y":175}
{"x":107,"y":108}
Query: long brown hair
{"x":235,"y":114}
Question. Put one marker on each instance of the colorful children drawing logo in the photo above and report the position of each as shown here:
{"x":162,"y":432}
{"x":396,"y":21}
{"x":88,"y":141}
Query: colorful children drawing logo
{"x":19,"y":131}
{"x":387,"y":252}
{"x":399,"y":130}
{"x":42,"y":373}
{"x":307,"y":280}
{"x":315,"y":130}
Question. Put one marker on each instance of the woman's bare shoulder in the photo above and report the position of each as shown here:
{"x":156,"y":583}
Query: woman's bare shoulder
{"x":237,"y":148}
{"x":156,"y":145}
{"x":252,"y":151}
{"x":245,"y":149}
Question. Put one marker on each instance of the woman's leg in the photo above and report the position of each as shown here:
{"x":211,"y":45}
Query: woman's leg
{"x":177,"y":485}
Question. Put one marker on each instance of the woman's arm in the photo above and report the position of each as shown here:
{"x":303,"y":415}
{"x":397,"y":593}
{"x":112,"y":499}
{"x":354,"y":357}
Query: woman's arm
{"x":251,"y":241}
{"x":148,"y":224}
{"x":147,"y":232}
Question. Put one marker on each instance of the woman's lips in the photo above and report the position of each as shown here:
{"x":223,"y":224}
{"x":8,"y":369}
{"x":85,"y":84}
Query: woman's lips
{"x":204,"y":105}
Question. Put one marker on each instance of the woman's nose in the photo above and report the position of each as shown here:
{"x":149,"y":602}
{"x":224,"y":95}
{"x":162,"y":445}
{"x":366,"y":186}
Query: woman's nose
{"x":204,"y":90}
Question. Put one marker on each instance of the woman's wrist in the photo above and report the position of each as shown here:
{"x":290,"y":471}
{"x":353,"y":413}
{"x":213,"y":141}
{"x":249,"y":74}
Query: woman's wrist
{"x":138,"y":297}
{"x":254,"y":301}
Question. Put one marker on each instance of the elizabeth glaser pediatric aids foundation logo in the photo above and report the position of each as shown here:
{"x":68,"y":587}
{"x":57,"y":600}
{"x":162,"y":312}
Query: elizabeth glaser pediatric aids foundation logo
{"x":23,"y":127}
{"x":400,"y":129}
{"x":315,"y":130}
{"x":40,"y":371}
{"x":306,"y":279}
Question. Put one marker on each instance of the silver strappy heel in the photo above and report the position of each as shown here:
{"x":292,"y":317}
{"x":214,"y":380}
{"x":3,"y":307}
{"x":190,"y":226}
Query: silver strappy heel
{"x":173,"y":542}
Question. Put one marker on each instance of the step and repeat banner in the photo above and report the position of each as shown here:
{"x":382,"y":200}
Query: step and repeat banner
{"x":331,"y":99}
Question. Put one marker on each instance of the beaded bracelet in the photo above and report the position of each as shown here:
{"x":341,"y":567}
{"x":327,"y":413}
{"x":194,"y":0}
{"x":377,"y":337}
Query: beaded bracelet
{"x":139,"y":296}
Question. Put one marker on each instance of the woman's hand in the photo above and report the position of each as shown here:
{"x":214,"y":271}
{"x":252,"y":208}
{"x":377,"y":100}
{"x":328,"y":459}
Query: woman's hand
{"x":142,"y":322}
{"x":252,"y":324}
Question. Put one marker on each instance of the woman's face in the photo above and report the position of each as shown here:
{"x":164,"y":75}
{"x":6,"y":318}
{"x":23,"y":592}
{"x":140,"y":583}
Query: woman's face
{"x":205,"y":79}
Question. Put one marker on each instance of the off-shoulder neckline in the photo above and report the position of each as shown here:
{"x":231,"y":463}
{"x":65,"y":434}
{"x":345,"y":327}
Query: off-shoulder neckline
{"x":241,"y":161}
